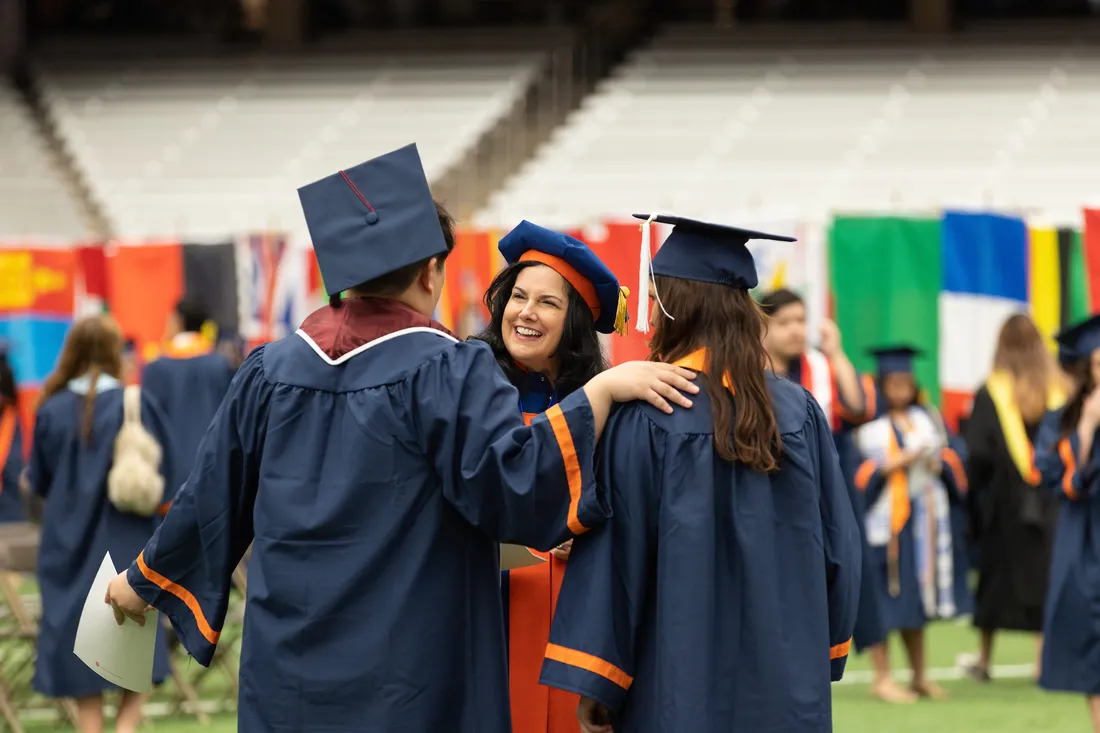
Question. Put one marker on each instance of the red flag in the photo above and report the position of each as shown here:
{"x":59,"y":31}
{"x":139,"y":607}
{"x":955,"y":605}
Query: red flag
{"x":1092,"y":256}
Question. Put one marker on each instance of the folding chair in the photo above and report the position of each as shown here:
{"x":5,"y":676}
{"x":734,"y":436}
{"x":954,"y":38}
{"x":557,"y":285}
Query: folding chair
{"x":19,"y":623}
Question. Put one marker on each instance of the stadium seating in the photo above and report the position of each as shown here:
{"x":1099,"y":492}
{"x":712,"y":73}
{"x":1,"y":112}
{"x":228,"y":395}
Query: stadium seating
{"x":202,"y":148}
{"x":35,"y":203}
{"x":726,"y":127}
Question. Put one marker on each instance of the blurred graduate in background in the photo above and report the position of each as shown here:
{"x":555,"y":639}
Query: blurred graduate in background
{"x":1011,"y":519}
{"x":11,"y":443}
{"x":910,"y":478}
{"x":188,"y":378}
{"x":1068,"y":456}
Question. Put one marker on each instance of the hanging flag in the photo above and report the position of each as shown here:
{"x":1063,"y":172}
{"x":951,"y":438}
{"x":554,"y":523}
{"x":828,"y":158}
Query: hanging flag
{"x":209,"y":275}
{"x":886,"y":274}
{"x":1091,"y":255}
{"x":1076,"y":303}
{"x":37,"y":290}
{"x":1045,"y":282}
{"x":987,"y":277}
{"x":144,"y":285}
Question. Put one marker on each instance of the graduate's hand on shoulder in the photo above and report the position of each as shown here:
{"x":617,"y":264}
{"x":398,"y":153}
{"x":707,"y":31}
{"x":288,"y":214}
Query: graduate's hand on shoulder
{"x":125,"y":602}
{"x":656,"y":383}
{"x":593,"y":717}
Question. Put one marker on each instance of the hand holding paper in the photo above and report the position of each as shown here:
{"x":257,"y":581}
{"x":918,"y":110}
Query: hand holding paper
{"x":125,"y":602}
{"x":119,"y":653}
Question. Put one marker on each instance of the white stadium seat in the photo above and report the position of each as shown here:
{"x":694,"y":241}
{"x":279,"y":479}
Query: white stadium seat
{"x":721,"y":126}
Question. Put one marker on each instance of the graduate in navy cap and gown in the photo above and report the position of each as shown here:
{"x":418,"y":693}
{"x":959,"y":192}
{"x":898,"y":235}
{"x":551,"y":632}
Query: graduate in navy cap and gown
{"x":79,"y":416}
{"x":1068,"y":456}
{"x":722,"y":594}
{"x":910,"y":478}
{"x":375,"y":463}
{"x":11,"y":443}
{"x":547,"y":309}
{"x":189,"y":379}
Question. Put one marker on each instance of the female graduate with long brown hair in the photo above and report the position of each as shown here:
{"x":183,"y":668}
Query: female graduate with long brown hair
{"x":1011,"y":517}
{"x":722,"y":594}
{"x":547,"y":309}
{"x":79,"y":416}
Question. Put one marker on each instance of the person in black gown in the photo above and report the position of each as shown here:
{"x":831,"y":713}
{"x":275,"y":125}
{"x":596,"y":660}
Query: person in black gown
{"x":1012,"y":517}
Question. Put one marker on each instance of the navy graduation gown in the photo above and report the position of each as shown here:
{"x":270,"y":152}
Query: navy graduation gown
{"x":11,"y":465}
{"x":906,"y":611}
{"x":717,"y":598}
{"x":1071,"y":617}
{"x":375,"y":464}
{"x":871,"y":626}
{"x":79,"y":526}
{"x":189,"y":385}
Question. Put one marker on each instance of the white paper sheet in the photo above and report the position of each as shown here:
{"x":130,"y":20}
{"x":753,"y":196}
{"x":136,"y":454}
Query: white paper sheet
{"x":517,"y":556}
{"x":122,"y":655}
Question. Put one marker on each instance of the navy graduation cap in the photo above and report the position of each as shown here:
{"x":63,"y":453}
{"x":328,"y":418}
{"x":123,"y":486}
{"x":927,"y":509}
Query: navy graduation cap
{"x":699,"y":251}
{"x":895,"y":359}
{"x":372,"y":219}
{"x":1079,"y":340}
{"x":709,"y":253}
{"x":573,"y":260}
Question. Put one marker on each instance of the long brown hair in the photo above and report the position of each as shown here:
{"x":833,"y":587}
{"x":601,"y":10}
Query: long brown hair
{"x":727,"y":323}
{"x":1022,"y":353}
{"x":92,"y":347}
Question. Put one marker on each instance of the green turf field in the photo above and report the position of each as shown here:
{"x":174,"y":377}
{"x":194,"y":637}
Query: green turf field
{"x":1011,"y":704}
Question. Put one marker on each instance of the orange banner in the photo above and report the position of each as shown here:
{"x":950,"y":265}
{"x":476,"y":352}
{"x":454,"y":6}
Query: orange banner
{"x":144,"y":284}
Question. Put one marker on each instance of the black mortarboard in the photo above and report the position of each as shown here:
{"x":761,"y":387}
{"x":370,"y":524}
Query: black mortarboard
{"x":895,"y":359}
{"x":1079,"y":340}
{"x":372,"y":219}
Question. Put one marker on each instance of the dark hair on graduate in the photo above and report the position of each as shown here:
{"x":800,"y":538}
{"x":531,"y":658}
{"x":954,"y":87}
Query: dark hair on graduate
{"x":580,"y":355}
{"x":1081,"y":372}
{"x":92,"y":347}
{"x":8,"y":395}
{"x":880,"y":382}
{"x":394,"y":283}
{"x":727,"y":323}
{"x":776,"y":300}
{"x":193,"y":314}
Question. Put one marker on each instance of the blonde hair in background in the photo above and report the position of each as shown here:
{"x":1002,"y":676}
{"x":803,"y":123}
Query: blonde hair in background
{"x":92,"y":347}
{"x":1022,"y":353}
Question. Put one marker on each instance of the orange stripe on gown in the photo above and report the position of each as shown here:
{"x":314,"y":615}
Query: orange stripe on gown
{"x":532,"y":595}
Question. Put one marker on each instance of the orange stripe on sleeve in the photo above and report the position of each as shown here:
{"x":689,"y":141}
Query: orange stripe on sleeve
{"x":163,"y":508}
{"x":7,"y":434}
{"x":951,"y":458}
{"x":1065,"y":450}
{"x":572,"y":465}
{"x":589,"y":663}
{"x":840,"y":650}
{"x":183,"y":594}
{"x":863,"y":475}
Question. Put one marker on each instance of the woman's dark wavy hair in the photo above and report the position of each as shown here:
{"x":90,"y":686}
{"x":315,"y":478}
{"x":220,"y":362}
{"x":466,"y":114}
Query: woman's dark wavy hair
{"x":1081,"y":371}
{"x":580,"y":355}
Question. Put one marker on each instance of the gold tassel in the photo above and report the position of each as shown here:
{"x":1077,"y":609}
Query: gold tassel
{"x":621,"y":316}
{"x":209,"y":332}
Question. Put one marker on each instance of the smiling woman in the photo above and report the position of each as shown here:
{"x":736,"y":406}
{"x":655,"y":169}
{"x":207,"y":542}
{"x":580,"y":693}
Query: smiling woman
{"x":547,"y":309}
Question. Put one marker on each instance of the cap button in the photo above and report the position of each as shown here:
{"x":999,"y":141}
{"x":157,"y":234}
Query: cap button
{"x":372,"y":217}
